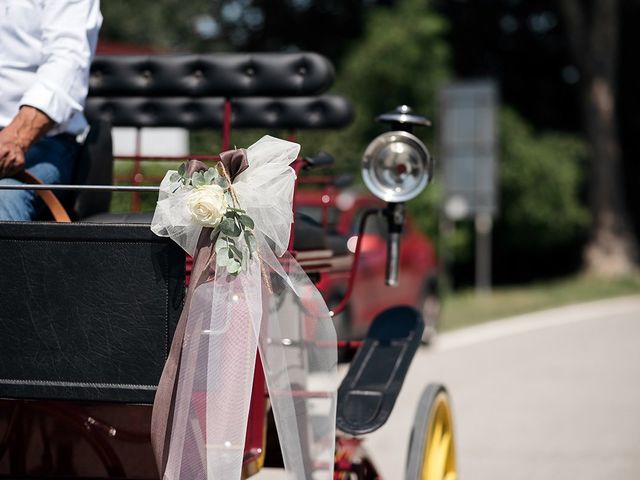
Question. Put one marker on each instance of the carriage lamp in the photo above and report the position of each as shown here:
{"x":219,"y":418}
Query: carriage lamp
{"x":396,"y":167}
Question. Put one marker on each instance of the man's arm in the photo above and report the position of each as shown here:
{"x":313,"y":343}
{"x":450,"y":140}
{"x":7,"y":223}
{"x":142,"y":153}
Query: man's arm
{"x":27,"y":126}
{"x":69,"y":31}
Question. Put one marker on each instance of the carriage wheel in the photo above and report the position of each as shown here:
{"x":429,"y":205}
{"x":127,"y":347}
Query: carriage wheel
{"x":431,"y":448}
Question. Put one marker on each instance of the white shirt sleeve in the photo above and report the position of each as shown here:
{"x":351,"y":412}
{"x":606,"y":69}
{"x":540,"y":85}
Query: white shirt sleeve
{"x":69,"y":33}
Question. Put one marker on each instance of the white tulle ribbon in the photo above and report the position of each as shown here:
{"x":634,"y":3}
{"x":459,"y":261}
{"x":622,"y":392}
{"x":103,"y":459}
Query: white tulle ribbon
{"x":272,"y":307}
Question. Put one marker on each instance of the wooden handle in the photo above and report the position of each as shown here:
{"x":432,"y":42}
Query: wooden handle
{"x":47,"y":196}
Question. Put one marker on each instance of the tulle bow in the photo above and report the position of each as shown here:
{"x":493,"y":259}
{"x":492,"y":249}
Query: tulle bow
{"x":202,"y":404}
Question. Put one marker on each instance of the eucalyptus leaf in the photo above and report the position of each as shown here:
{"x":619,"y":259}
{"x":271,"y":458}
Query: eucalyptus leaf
{"x":247,"y":222}
{"x":236,"y":251}
{"x":197,"y":179}
{"x":220,"y":244}
{"x":222,"y":182}
{"x":233,"y":267}
{"x":182,"y":169}
{"x":223,"y":257}
{"x":229,"y":227}
{"x":175,"y":177}
{"x":210,"y":176}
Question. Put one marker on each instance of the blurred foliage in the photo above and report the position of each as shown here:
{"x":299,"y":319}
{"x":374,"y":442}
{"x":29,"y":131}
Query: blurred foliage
{"x":323,"y":26}
{"x":161,"y":24}
{"x":542,"y":221}
{"x":541,"y":176}
{"x":395,"y":62}
{"x":241,"y":25}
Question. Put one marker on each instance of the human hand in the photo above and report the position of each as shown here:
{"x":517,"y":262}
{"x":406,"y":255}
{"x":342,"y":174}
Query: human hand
{"x":16,"y":138}
{"x":11,"y":158}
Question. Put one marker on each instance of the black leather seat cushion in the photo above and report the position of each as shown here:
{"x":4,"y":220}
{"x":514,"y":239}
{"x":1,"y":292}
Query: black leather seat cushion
{"x":327,"y":111}
{"x":87,"y":311}
{"x":212,"y":75}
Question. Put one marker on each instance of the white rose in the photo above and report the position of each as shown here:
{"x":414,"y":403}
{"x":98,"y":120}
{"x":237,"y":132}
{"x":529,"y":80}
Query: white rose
{"x":207,"y":205}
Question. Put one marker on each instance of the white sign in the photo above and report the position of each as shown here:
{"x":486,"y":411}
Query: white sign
{"x":468,"y":148}
{"x":153,"y":141}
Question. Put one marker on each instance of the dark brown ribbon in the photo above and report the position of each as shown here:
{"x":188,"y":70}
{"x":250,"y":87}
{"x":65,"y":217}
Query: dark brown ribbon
{"x":164,"y":401}
{"x":234,"y":162}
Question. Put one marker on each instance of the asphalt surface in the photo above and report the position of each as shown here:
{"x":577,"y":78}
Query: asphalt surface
{"x":549,"y":395}
{"x":554,"y":394}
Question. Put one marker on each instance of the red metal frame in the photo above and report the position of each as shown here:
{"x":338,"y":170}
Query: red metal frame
{"x":354,"y":266}
{"x":226,"y":125}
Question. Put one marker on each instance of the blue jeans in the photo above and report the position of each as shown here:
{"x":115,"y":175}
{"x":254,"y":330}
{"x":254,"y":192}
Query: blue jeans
{"x":52,"y":160}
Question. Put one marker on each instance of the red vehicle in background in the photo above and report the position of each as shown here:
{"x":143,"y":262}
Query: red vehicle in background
{"x":339,"y":210}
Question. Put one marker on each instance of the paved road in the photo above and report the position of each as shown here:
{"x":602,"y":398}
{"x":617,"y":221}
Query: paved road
{"x":550,"y":395}
{"x":547,"y":395}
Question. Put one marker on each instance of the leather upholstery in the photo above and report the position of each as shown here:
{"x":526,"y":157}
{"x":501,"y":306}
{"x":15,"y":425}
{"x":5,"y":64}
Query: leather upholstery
{"x":87,"y":311}
{"x":328,"y":111}
{"x":213,"y":75}
{"x":94,"y":167}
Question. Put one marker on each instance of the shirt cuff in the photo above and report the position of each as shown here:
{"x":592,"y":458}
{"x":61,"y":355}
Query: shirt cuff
{"x":49,"y":102}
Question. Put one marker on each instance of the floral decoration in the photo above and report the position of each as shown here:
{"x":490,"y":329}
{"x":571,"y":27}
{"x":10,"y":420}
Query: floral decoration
{"x":211,"y":202}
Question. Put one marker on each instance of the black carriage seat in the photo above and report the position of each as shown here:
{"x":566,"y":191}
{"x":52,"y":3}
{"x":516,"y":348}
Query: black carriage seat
{"x":267,"y":91}
{"x":369,"y":391}
{"x":305,"y":113}
{"x":87,"y":311}
{"x":211,"y":75}
{"x":95,"y":165}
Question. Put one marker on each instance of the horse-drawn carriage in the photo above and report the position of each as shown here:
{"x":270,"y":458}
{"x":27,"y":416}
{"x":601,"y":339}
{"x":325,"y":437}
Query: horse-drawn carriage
{"x":89,"y":307}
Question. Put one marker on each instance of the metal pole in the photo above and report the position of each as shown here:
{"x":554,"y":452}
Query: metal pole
{"x":483,"y":224}
{"x":82,"y":188}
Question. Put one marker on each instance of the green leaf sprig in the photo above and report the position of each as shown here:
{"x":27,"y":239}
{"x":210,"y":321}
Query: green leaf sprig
{"x":212,"y":176}
{"x":235,"y":238}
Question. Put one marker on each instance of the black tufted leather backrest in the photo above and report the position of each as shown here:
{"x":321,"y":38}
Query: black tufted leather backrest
{"x":267,"y":90}
{"x":212,"y":75}
{"x":327,"y":111}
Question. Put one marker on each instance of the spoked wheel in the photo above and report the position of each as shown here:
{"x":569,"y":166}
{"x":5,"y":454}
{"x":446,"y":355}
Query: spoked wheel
{"x":431,"y":448}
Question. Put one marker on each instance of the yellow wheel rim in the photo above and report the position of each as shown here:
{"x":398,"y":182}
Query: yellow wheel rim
{"x":439,"y":459}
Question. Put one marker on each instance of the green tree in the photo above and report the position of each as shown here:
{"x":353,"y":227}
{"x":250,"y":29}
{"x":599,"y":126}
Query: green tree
{"x":402,"y":58}
{"x":542,"y":220}
{"x":164,"y":24}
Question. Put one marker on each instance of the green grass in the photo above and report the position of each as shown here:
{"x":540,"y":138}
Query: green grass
{"x":153,"y":171}
{"x":466,"y":308}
